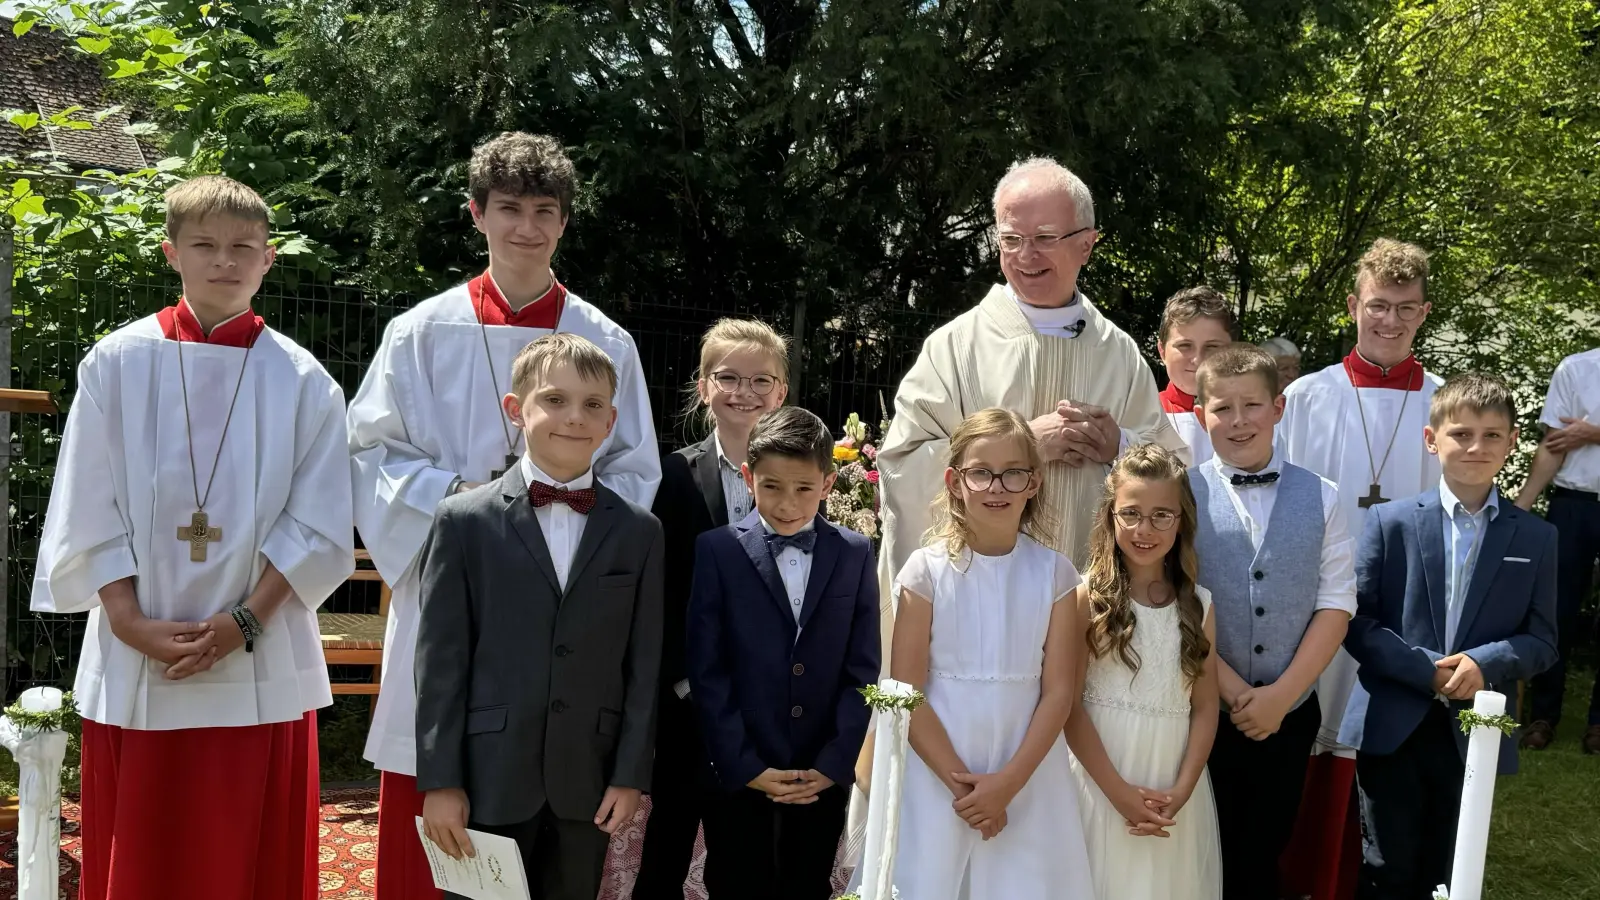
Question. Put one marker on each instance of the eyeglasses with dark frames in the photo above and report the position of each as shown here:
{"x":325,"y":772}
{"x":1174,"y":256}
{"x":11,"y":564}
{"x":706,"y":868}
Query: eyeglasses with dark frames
{"x":1012,"y":481}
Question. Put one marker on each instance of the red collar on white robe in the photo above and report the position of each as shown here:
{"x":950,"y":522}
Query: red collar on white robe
{"x":1405,"y":375}
{"x":1174,"y":400}
{"x":178,"y":323}
{"x":492,"y":308}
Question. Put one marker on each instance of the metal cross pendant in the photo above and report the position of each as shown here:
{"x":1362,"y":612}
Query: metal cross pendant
{"x":511,"y":460}
{"x":199,"y":533}
{"x":1372,"y":498}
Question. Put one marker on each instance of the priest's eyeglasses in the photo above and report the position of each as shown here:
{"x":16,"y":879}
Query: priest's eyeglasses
{"x":728,"y":382}
{"x":1160,"y":520}
{"x":1407,"y":312}
{"x":1011,"y":242}
{"x":1013,"y":481}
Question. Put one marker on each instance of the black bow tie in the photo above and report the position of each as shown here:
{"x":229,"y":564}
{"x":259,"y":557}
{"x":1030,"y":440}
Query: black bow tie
{"x":1240,"y":480}
{"x":804,"y":541}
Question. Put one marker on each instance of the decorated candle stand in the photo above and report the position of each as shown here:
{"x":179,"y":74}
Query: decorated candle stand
{"x":1484,"y":724}
{"x":35,"y":730}
{"x":893,"y":701}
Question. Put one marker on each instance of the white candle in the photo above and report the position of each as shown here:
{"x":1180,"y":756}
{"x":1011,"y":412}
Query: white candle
{"x":883,"y":806}
{"x":1477,"y":800}
{"x":39,"y":755}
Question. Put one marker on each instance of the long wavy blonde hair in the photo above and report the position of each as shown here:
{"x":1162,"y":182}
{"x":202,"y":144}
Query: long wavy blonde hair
{"x":1111,"y":615}
{"x":950,"y":526}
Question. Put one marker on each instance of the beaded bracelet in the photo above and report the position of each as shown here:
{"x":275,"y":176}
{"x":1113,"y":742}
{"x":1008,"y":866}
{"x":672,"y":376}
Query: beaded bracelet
{"x":249,"y":626}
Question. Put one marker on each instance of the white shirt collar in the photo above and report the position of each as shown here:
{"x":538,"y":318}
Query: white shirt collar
{"x":1273,"y":465}
{"x":809,"y":526}
{"x":1053,"y":319}
{"x":533,"y":473}
{"x":1451,"y":503}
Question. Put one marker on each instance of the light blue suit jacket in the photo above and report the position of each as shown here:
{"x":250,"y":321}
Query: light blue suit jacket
{"x":1508,"y":623}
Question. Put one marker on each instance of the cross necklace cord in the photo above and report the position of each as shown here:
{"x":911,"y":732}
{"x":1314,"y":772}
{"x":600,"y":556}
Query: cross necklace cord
{"x":494,"y":381}
{"x":198,"y":533}
{"x":1375,"y":492}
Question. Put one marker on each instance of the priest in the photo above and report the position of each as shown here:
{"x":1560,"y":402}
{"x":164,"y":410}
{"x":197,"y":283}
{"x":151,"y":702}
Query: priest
{"x":200,"y":513}
{"x":427,"y":423}
{"x":1035,"y":345}
{"x":1359,"y":424}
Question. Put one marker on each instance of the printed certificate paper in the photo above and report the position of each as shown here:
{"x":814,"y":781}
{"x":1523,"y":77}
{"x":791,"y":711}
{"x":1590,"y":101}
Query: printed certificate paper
{"x":494,"y":874}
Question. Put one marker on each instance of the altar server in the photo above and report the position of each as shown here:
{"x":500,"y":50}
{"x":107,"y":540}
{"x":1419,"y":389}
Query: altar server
{"x":427,"y":423}
{"x":200,"y":514}
{"x":1359,"y":423}
{"x":1196,"y":322}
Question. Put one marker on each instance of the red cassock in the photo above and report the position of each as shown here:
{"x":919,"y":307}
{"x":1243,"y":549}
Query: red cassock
{"x":403,"y":872}
{"x":200,"y":813}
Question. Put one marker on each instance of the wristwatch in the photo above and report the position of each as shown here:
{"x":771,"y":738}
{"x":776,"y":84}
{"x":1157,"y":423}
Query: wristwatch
{"x":248,"y":624}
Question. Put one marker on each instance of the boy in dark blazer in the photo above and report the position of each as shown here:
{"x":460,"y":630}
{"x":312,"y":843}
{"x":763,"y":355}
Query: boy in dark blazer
{"x":783,"y":631}
{"x":540,"y":638}
{"x":1456,"y":593}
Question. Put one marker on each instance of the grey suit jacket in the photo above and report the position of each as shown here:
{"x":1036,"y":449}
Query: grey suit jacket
{"x":526,"y":694}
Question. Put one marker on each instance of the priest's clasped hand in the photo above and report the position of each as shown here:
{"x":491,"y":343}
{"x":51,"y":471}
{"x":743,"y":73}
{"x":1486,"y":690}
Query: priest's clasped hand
{"x":1077,"y":433}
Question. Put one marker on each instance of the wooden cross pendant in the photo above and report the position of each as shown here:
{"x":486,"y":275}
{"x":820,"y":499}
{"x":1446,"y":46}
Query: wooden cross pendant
{"x":199,"y":533}
{"x":511,"y":460}
{"x":1372,"y":498}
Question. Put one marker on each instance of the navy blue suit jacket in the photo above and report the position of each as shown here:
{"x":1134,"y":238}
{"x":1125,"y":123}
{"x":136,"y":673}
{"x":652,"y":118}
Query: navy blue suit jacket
{"x":765,"y":696}
{"x":1507,"y":625}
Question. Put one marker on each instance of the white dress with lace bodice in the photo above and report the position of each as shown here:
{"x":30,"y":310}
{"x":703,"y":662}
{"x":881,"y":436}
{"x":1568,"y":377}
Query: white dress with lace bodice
{"x":985,"y":658}
{"x":1143,"y":720}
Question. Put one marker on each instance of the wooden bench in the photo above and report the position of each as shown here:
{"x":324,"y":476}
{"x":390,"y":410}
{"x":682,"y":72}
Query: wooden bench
{"x":352,"y":639}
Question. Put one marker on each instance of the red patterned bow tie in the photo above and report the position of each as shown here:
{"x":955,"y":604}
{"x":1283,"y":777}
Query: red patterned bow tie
{"x":542,"y":494}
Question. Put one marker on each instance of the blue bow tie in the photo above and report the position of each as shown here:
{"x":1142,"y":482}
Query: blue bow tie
{"x":1259,"y":478}
{"x":804,"y":541}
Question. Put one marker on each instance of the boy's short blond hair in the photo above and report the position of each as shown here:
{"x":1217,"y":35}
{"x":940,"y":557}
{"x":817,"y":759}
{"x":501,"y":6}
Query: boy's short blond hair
{"x":214,"y":195}
{"x":1233,"y":361}
{"x":1473,"y":392}
{"x":561,"y":349}
{"x":1390,"y":261}
{"x":1189,"y":304}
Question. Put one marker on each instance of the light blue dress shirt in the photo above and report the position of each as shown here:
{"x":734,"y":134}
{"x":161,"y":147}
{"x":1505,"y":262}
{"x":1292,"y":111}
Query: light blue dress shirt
{"x":1463,"y":540}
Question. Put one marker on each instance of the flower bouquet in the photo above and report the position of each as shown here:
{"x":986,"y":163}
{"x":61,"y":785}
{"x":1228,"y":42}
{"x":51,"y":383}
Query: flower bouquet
{"x":854,"y":501}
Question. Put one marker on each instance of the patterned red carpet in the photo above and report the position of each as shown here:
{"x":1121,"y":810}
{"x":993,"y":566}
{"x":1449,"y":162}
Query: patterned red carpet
{"x":349,"y":845}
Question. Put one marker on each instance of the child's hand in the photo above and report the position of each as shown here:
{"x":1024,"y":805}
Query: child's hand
{"x":616,"y":808}
{"x":987,"y":802}
{"x":1442,"y":675}
{"x":166,"y":642}
{"x":814,"y":783}
{"x":993,"y":829}
{"x":777,"y":783}
{"x":228,"y":639}
{"x":1466,"y":681}
{"x":1259,"y":712}
{"x":444,"y":821}
{"x":1142,"y":809}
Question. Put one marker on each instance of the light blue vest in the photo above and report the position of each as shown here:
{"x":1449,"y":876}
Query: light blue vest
{"x":1264,"y":599}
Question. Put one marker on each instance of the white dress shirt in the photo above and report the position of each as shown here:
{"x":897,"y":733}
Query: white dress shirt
{"x":1336,"y":584}
{"x":735,"y":494}
{"x":561,"y":524}
{"x":1463,"y":539}
{"x":1575,"y":394}
{"x":794,"y":567}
